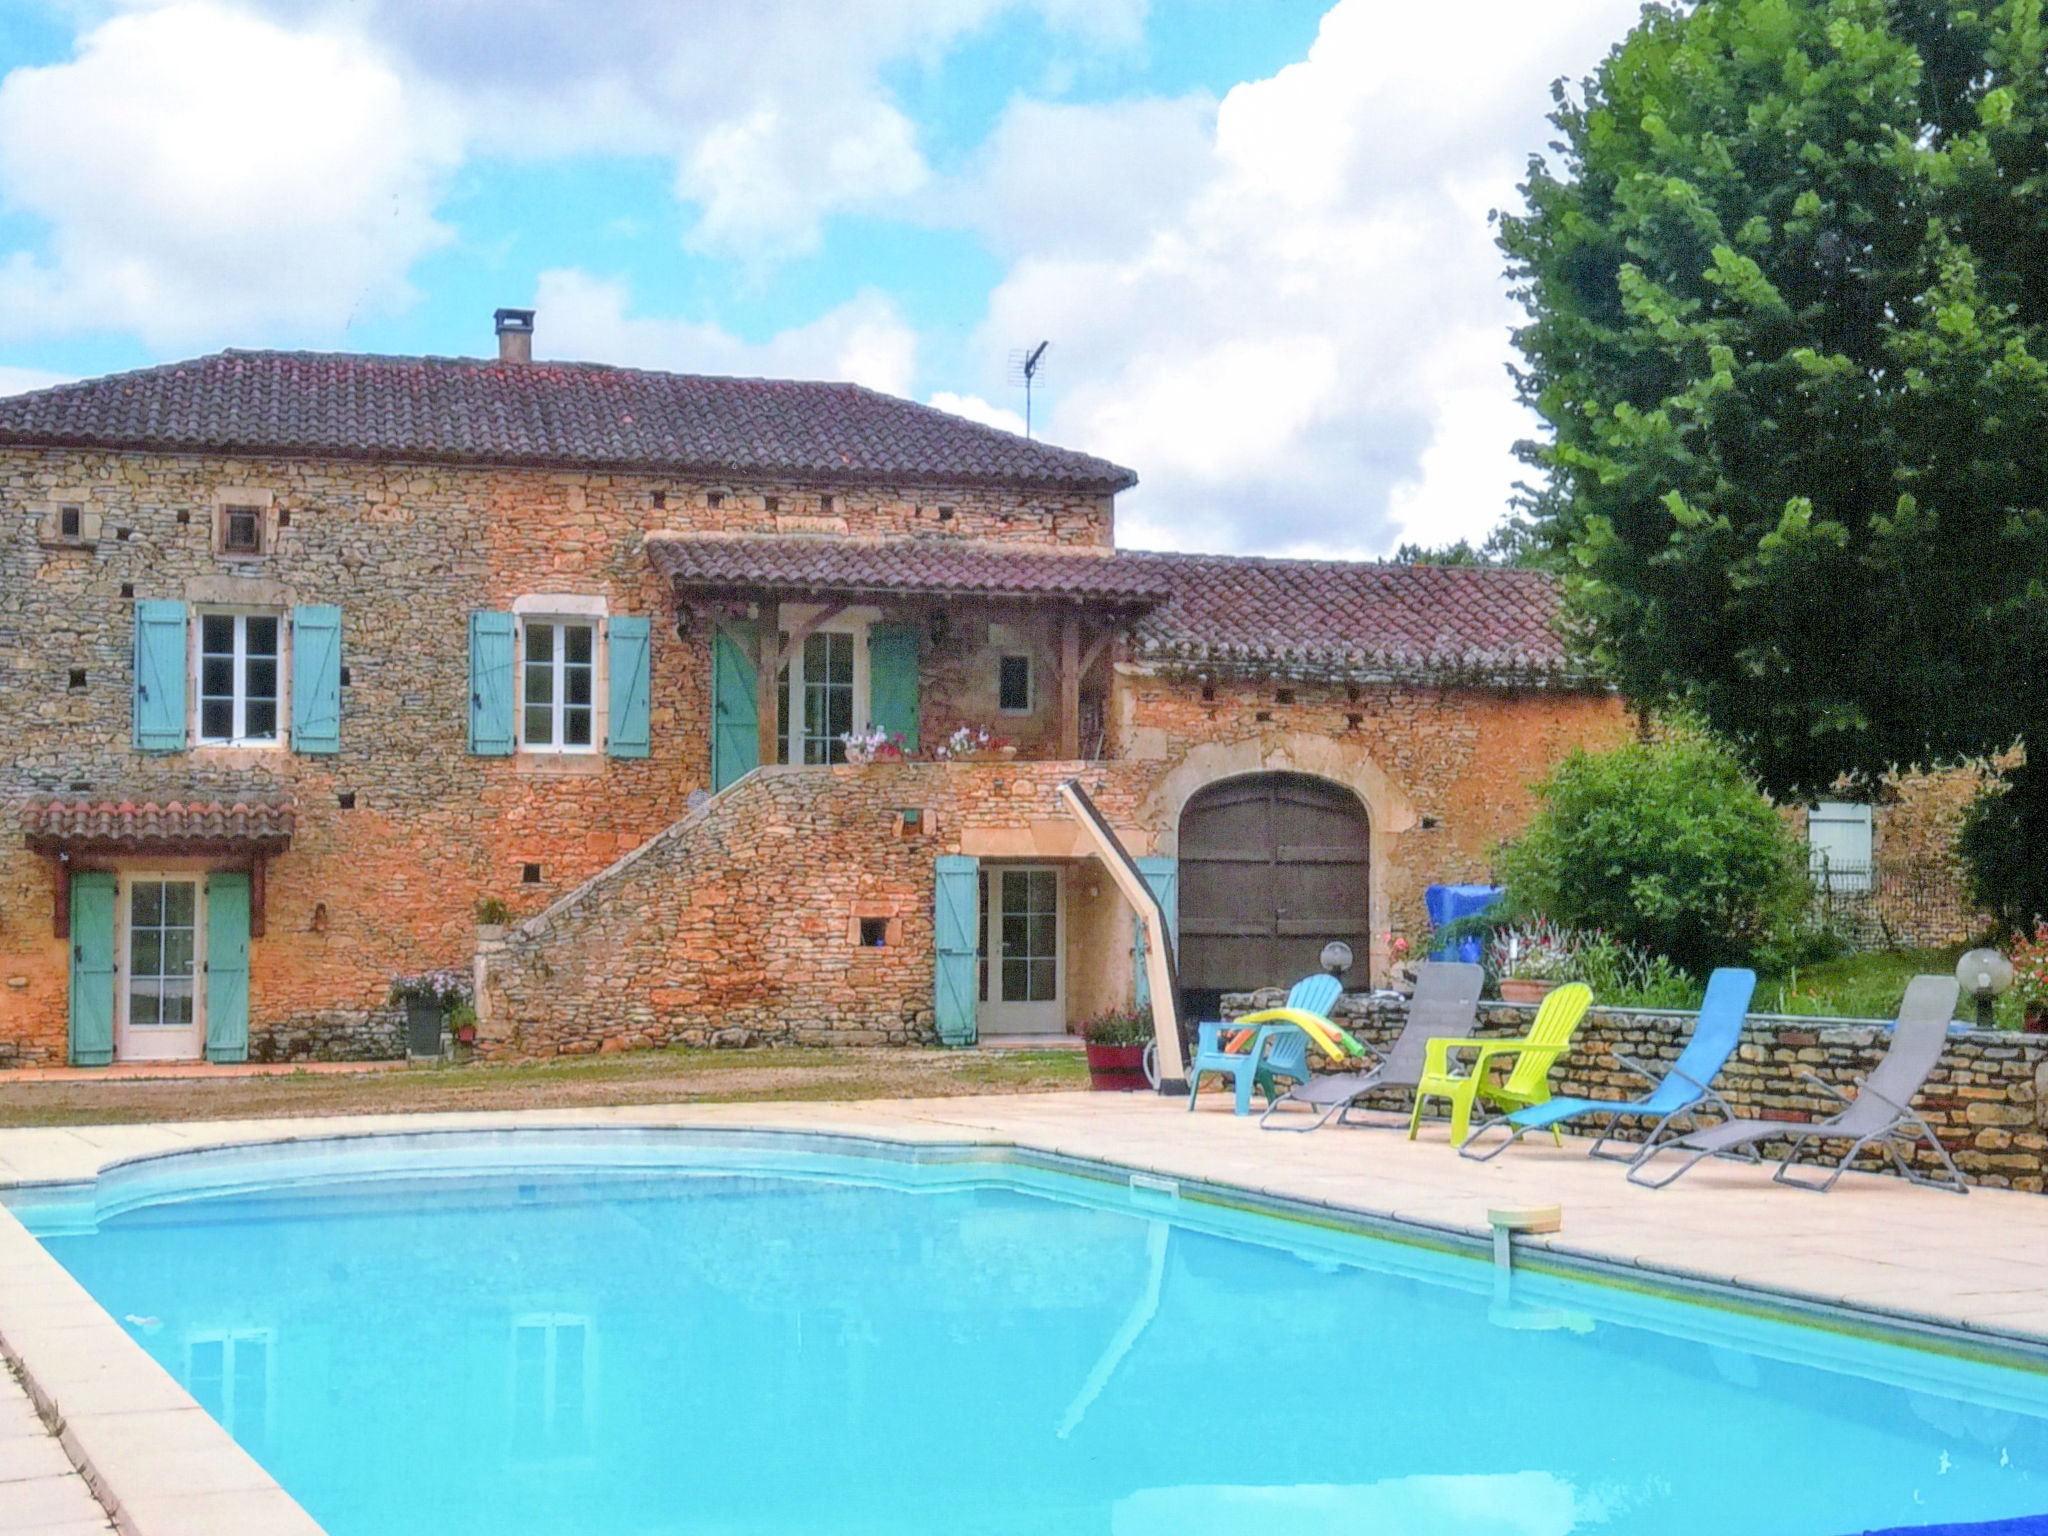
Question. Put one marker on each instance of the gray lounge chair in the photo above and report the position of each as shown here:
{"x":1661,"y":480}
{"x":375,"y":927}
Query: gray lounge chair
{"x":1881,"y":1111}
{"x":1446,"y":1003}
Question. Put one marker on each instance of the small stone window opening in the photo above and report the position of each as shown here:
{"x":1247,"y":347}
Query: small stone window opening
{"x":529,"y":874}
{"x":1429,"y":823}
{"x":346,"y":680}
{"x":874,"y":932}
{"x":825,"y":504}
{"x":1283,"y":695}
{"x":71,"y":520}
{"x":660,"y":500}
{"x":714,"y":499}
{"x":945,"y":514}
{"x":121,"y":535}
{"x":241,"y":530}
{"x":1013,"y":685}
{"x":1353,"y":722}
{"x":910,"y":821}
{"x":77,"y":678}
{"x":772,"y":503}
{"x":346,"y":799}
{"x":127,"y":589}
{"x":184,"y":515}
{"x":284,"y":517}
{"x":1208,"y":693}
{"x":1263,"y":716}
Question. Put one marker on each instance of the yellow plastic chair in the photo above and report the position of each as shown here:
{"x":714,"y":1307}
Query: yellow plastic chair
{"x":1527,"y":1082}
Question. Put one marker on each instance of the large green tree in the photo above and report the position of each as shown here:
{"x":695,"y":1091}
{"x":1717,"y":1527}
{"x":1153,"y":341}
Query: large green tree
{"x":1786,"y":273}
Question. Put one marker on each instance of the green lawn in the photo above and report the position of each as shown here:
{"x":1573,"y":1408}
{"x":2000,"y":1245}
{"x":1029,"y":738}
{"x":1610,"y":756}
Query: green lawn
{"x":1866,"y":986}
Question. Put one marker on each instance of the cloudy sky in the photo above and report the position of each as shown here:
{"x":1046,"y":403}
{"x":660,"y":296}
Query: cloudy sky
{"x":1255,"y":231}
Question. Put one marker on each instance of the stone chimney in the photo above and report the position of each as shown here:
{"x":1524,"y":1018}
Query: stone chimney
{"x":515,"y":335}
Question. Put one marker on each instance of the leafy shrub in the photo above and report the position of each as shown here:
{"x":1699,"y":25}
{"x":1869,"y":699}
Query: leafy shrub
{"x":1621,"y":975}
{"x":1999,"y":844}
{"x":1667,"y":847}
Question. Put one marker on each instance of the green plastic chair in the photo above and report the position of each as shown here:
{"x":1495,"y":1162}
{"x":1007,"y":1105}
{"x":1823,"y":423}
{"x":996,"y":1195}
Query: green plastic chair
{"x":1528,"y":1080}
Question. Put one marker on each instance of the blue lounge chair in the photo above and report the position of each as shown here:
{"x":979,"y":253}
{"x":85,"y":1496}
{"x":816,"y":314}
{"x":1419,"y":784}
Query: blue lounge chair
{"x":1685,"y":1086}
{"x":1276,"y":1049}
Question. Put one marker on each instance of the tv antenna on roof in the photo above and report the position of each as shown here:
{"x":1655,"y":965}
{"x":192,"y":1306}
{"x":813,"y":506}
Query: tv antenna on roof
{"x":1024,"y":366}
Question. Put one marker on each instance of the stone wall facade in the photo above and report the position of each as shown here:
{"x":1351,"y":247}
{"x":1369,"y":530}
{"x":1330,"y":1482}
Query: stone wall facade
{"x":1987,"y":1100}
{"x":741,"y":924}
{"x":401,"y":832}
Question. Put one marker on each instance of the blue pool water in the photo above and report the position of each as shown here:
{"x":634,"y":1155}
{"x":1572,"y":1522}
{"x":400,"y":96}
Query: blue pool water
{"x":750,"y":1342}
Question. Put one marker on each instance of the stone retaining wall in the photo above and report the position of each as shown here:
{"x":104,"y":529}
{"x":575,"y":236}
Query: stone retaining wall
{"x":1987,"y":1100}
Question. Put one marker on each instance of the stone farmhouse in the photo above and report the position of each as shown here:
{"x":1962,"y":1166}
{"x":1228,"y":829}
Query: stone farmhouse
{"x":308,"y":656}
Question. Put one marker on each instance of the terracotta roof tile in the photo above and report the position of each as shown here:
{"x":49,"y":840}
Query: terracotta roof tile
{"x":570,"y":415}
{"x":1344,"y":619}
{"x":149,"y":824}
{"x":897,"y":567}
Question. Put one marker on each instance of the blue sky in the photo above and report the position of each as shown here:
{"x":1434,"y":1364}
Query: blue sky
{"x":1254,"y":230}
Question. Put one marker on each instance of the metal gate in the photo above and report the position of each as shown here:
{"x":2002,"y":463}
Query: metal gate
{"x":1272,"y":868}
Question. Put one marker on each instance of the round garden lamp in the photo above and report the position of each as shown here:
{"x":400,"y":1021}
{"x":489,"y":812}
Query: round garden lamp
{"x":1336,"y":957}
{"x":1984,"y":974}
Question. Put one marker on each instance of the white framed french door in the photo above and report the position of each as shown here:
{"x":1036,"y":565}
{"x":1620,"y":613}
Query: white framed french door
{"x":1023,"y":951}
{"x":159,"y":944}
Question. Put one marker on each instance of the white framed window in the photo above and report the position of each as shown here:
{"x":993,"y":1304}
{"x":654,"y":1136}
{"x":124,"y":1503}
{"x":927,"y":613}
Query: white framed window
{"x":558,"y":684}
{"x":1839,"y":845}
{"x":1014,"y":683}
{"x":239,"y":667}
{"x":825,"y":683}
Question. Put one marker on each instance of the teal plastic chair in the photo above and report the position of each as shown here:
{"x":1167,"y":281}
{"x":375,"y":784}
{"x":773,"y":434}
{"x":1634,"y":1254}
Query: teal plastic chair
{"x":1275,"y":1051}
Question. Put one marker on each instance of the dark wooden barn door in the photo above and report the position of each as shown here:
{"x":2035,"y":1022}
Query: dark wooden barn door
{"x":1272,"y":868}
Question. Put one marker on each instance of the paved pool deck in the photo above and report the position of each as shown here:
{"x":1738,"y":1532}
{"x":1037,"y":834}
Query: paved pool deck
{"x":1973,"y":1266}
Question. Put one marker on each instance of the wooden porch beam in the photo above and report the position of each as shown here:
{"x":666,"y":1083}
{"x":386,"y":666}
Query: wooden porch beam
{"x":766,"y":654}
{"x":1070,"y":685}
{"x":805,"y":630}
{"x":60,"y":909}
{"x":1094,"y":653}
{"x":257,"y":884}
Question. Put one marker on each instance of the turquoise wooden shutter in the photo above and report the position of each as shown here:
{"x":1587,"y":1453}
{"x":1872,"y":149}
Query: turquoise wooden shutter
{"x":316,"y":678}
{"x":227,"y":966}
{"x":490,"y":684}
{"x":956,"y":972}
{"x":159,"y":676}
{"x":92,"y":970}
{"x":626,"y":733}
{"x":893,"y":681}
{"x":1163,"y":876}
{"x":735,"y":721}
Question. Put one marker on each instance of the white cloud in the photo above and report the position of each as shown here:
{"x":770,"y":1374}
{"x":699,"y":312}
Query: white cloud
{"x":204,"y":171}
{"x":19,"y":381}
{"x":774,"y":112}
{"x":974,"y":408}
{"x":864,"y":341}
{"x":1305,"y":352}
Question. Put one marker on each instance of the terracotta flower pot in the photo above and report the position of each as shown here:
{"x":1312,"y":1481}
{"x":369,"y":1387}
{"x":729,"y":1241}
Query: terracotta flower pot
{"x":1116,"y":1068}
{"x":1521,"y":989}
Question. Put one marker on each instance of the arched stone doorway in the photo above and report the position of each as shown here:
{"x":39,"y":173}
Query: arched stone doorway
{"x":1273,"y":866}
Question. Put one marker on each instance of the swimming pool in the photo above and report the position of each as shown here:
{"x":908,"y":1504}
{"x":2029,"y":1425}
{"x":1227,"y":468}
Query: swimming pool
{"x":537,"y":1332}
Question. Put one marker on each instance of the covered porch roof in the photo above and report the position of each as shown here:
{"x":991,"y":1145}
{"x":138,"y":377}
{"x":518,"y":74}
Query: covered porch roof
{"x":246,"y":824}
{"x":798,"y":565}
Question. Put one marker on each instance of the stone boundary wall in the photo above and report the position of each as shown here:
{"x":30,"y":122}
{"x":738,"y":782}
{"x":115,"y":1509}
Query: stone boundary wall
{"x":739,"y":925}
{"x":1987,"y":1099}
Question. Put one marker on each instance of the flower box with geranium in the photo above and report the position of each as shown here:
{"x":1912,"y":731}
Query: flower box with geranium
{"x":1116,"y":1051}
{"x":974,"y":744}
{"x":873,"y":745}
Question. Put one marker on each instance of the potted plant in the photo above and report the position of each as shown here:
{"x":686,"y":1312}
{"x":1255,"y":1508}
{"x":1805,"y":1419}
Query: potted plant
{"x":1116,"y":1051}
{"x":427,"y":999}
{"x":873,"y":745}
{"x":974,"y":744}
{"x":1531,"y":959}
{"x":462,"y":1023}
{"x":492,"y":918}
{"x":2030,"y":979}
